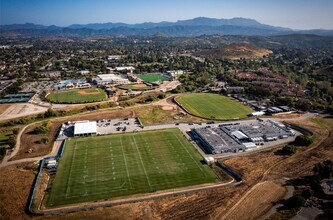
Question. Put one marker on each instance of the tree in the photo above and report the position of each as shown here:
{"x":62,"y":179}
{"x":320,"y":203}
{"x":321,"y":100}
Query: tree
{"x":2,"y":151}
{"x":296,"y":201}
{"x":50,"y":113}
{"x":40,"y":130}
{"x":324,"y":170}
{"x":11,"y":141}
{"x":161,"y":96}
{"x":303,"y":140}
{"x":15,"y":131}
{"x":289,"y":149}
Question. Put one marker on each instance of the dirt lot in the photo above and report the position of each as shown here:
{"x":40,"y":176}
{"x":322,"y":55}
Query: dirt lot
{"x":4,"y":107}
{"x":29,"y":141}
{"x":21,"y":110}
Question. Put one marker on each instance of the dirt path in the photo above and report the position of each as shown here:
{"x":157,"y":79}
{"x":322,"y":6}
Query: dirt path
{"x":288,"y":195}
{"x":264,"y":193}
{"x":5,"y":161}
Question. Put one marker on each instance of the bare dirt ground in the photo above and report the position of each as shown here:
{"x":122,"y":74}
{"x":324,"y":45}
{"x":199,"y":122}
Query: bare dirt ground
{"x":141,"y":85}
{"x":29,"y":141}
{"x":4,"y":107}
{"x":167,"y":104}
{"x":84,"y":92}
{"x":264,"y":195}
{"x":21,"y":110}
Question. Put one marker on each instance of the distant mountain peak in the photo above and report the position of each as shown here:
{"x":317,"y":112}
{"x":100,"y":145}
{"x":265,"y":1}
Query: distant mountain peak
{"x":191,"y":27}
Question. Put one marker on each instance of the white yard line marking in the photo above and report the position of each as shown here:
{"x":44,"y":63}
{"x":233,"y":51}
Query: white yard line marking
{"x":70,"y":171}
{"x":144,"y":169}
{"x":122,"y":150}
{"x":189,"y":154}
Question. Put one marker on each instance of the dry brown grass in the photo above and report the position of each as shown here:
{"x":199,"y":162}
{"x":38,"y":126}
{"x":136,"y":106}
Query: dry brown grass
{"x":4,"y":107}
{"x":157,"y":115}
{"x":29,"y":141}
{"x":15,"y":185}
{"x":257,"y":202}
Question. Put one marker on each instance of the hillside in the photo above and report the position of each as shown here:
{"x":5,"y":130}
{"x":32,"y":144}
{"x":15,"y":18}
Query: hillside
{"x":235,"y":51}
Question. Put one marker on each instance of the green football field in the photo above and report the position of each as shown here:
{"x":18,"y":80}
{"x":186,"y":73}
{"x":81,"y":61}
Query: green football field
{"x":77,"y":95}
{"x":152,"y":77}
{"x":104,"y":167}
{"x":213,"y":106}
{"x":134,"y":87}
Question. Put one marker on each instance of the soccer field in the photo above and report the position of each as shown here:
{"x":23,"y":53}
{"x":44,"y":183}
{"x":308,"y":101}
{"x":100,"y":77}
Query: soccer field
{"x":152,"y":77}
{"x":98,"y":168}
{"x":213,"y":106}
{"x":77,"y":96}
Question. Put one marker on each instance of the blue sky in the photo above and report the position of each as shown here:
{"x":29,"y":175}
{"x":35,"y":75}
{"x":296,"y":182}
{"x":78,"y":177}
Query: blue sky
{"x":298,"y":14}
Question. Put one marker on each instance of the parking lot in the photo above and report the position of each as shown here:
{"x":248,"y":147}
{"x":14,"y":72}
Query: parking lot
{"x":37,"y":87}
{"x":122,"y":125}
{"x":110,"y":126}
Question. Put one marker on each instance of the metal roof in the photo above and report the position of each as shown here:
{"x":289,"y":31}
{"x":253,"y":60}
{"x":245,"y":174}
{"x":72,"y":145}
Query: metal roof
{"x":239,"y":135}
{"x":85,"y":127}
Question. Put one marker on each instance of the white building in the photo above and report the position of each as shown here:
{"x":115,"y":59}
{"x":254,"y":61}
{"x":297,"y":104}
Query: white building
{"x":84,"y":72}
{"x":175,"y":73}
{"x":256,"y":114}
{"x":114,"y":57}
{"x":123,"y":68}
{"x":85,"y":128}
{"x":104,"y":79}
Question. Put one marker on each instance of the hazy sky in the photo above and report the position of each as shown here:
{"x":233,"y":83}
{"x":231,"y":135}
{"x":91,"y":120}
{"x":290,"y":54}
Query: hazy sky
{"x":298,"y":14}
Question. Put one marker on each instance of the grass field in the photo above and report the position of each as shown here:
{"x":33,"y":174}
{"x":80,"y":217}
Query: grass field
{"x":152,"y":77}
{"x":207,"y":105}
{"x":77,"y":96}
{"x":95,"y":168}
{"x":135,"y":87}
{"x":4,"y":136}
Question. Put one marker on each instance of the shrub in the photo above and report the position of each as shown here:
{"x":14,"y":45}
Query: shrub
{"x":2,"y":151}
{"x":44,"y":140}
{"x":296,"y":201}
{"x":16,"y":131}
{"x":324,"y":170}
{"x":289,"y":149}
{"x":303,"y":140}
{"x":161,"y":96}
{"x":40,"y":130}
{"x":12,"y":141}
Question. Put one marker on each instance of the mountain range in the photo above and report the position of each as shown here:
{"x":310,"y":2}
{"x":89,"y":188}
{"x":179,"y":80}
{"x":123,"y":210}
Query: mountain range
{"x":192,"y":27}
